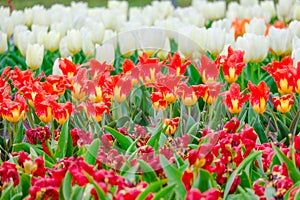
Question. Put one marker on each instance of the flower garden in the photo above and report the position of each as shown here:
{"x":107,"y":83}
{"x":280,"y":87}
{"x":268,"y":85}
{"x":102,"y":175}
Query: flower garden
{"x":154,"y":102}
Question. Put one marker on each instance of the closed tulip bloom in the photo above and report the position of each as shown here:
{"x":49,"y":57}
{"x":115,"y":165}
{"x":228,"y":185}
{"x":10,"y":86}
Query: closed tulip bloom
{"x":3,"y":42}
{"x":59,"y":27}
{"x":215,"y":40}
{"x":74,"y":41}
{"x":63,"y":48}
{"x":269,"y":7}
{"x":23,"y":39}
{"x":28,"y":16}
{"x":280,"y":40}
{"x":296,"y":11}
{"x":235,"y":99}
{"x":294,"y":26}
{"x":39,"y":32}
{"x":127,"y":43}
{"x":40,"y":16}
{"x":88,"y":46}
{"x":52,"y":40}
{"x":285,"y":9}
{"x":259,"y":96}
{"x":105,"y":53}
{"x":97,"y":29}
{"x":4,"y":12}
{"x":256,"y":26}
{"x":7,"y":25}
{"x":256,"y":47}
{"x":296,"y":56}
{"x":248,"y":3}
{"x":34,"y":56}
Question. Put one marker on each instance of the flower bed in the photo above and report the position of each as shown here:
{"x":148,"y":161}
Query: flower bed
{"x":207,"y":112}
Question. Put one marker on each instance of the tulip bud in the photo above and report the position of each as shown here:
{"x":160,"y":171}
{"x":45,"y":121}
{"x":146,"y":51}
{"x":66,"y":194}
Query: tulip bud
{"x":3,"y":42}
{"x":74,"y":41}
{"x":34,"y":56}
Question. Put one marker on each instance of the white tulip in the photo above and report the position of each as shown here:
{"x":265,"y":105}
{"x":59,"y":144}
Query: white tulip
{"x":28,"y":16}
{"x":215,"y":40}
{"x":18,"y":17}
{"x":165,"y":8}
{"x":110,"y":37}
{"x":296,"y":43}
{"x":256,"y":26}
{"x":214,"y":10}
{"x":222,"y":24}
{"x":268,"y":6}
{"x":121,"y":5}
{"x":51,"y":41}
{"x":294,"y":26}
{"x":280,"y":40}
{"x":3,"y":42}
{"x":256,"y":47}
{"x":7,"y":26}
{"x":150,"y":39}
{"x":97,"y":29}
{"x":23,"y":39}
{"x":74,"y":41}
{"x":88,"y":46}
{"x":296,"y":11}
{"x":39,"y":33}
{"x":163,"y":53}
{"x":127,"y":43}
{"x":105,"y":53}
{"x":285,"y":10}
{"x":296,"y":56}
{"x":34,"y":56}
{"x":59,"y":27}
{"x":63,"y":48}
{"x":248,"y":3}
{"x":4,"y":12}
{"x":40,"y":16}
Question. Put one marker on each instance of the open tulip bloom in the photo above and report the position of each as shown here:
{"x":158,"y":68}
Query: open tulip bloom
{"x":154,"y":102}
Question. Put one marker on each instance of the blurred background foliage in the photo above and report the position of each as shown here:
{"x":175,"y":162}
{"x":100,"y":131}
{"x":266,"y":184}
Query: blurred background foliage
{"x":21,"y":4}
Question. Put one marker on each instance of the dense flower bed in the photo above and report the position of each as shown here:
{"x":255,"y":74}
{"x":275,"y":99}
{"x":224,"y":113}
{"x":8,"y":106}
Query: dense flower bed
{"x":198,"y":106}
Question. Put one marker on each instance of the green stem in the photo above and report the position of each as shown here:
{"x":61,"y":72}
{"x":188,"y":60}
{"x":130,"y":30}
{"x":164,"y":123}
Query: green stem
{"x":189,"y":110}
{"x":243,"y":80}
{"x":284,"y":119}
{"x":10,"y":135}
{"x":258,"y":71}
{"x":171,"y":110}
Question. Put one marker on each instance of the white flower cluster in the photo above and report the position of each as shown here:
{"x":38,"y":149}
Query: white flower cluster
{"x":97,"y":31}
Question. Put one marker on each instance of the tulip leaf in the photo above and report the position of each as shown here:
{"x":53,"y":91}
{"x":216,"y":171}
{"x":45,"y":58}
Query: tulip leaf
{"x":62,"y":142}
{"x":155,"y":135}
{"x":243,"y":164}
{"x":285,"y":197}
{"x":295,"y":123}
{"x":174,"y":176}
{"x":77,"y":192}
{"x":204,"y":181}
{"x":99,"y":191}
{"x":148,"y":172}
{"x":153,"y":187}
{"x":92,"y":152}
{"x":8,"y":192}
{"x":67,"y":186}
{"x":292,"y":169}
{"x":122,"y":139}
{"x":25,"y":183}
{"x":131,"y":173}
{"x":166,"y":191}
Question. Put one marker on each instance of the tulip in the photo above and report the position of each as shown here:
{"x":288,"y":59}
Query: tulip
{"x":88,"y":46}
{"x":269,"y":7}
{"x":214,"y":10}
{"x":73,"y":39}
{"x":259,"y":96}
{"x":127,"y":43}
{"x":283,"y":104}
{"x":235,"y":99}
{"x":97,"y":29}
{"x":105,"y":53}
{"x":3,"y":42}
{"x":40,"y":16}
{"x":256,"y":26}
{"x":280,"y":40}
{"x":34,"y":56}
{"x":121,"y":5}
{"x":51,"y":41}
{"x":285,"y":10}
{"x":110,"y":37}
{"x":39,"y":33}
{"x":28,"y":16}
{"x":59,"y":27}
{"x":248,"y":3}
{"x":215,"y":40}
{"x":63,"y":48}
{"x":296,"y":11}
{"x":296,"y":56}
{"x":4,"y":12}
{"x":7,"y":26}
{"x":163,"y":53}
{"x":256,"y":47}
{"x":294,"y":26}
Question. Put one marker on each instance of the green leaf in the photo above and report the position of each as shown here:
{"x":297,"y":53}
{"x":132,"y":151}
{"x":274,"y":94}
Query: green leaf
{"x":166,"y":191}
{"x":92,"y":152}
{"x":260,"y":130}
{"x":193,"y":130}
{"x":132,"y":147}
{"x":285,"y":197}
{"x":245,"y":180}
{"x":77,"y":192}
{"x":67,"y":186}
{"x":204,"y":180}
{"x":174,"y":176}
{"x":62,"y":144}
{"x":294,"y":124}
{"x":25,"y":182}
{"x":20,"y":133}
{"x":17,"y":196}
{"x":246,"y":194}
{"x":243,"y":164}
{"x":122,"y":139}
{"x":131,"y":173}
{"x":99,"y":191}
{"x":8,"y":192}
{"x":148,"y":173}
{"x":156,"y":135}
{"x":151,"y":188}
{"x":292,"y":169}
